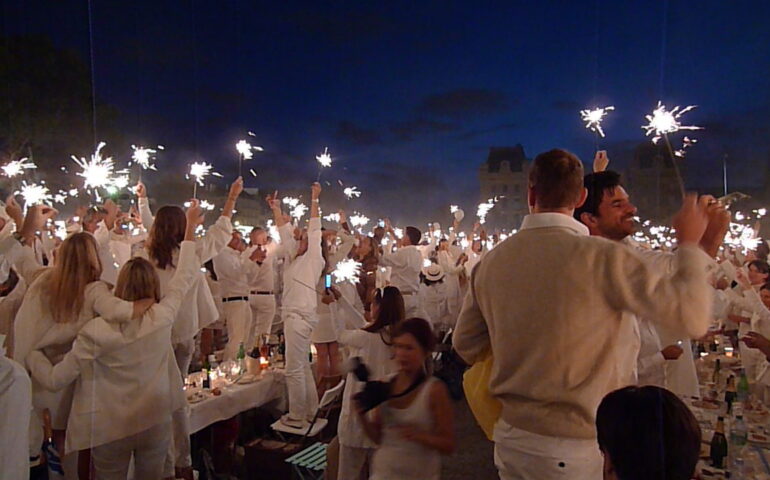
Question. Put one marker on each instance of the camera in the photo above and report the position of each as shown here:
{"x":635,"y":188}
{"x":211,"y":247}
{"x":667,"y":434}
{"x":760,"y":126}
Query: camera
{"x":374,"y":392}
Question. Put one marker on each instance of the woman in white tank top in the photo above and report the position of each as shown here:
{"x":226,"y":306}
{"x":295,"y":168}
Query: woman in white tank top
{"x":414,"y":426}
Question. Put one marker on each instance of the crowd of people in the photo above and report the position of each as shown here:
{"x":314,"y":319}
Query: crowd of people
{"x":581,"y":324}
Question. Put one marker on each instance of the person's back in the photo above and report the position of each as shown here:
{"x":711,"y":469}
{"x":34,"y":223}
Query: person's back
{"x":549,"y":304}
{"x":553,"y":332}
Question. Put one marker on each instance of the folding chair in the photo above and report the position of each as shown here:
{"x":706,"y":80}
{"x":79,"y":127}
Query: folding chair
{"x":310,"y":462}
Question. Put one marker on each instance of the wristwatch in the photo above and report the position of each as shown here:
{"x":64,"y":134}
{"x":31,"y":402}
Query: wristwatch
{"x":19,"y":238}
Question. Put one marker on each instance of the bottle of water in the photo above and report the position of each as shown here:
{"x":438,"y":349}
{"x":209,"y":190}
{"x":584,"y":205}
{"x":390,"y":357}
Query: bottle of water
{"x":739,"y":433}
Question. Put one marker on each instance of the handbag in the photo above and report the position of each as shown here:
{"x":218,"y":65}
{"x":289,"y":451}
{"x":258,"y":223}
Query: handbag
{"x":483,"y":405}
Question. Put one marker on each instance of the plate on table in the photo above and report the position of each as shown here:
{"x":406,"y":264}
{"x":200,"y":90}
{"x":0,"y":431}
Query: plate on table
{"x":706,"y":404}
{"x":759,"y":438}
{"x":196,"y":397}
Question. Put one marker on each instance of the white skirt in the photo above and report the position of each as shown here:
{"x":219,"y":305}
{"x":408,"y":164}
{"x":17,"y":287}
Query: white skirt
{"x":324,"y":330}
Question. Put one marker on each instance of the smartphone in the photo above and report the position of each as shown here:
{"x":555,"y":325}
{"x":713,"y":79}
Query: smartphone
{"x":381,"y":223}
{"x":328,"y":281}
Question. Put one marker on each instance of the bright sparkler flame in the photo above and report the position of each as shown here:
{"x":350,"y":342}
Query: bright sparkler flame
{"x":325,"y":159}
{"x":594,"y":118}
{"x":347,"y":270}
{"x":358,"y":220}
{"x":200,"y":171}
{"x":298,"y":211}
{"x":34,"y":194}
{"x":453,"y":208}
{"x":662,"y":122}
{"x":351,"y":192}
{"x":143,"y":157}
{"x":484,"y":208}
{"x":332,"y":217}
{"x":399,"y":232}
{"x":96,"y":171}
{"x":17,"y":167}
{"x":204,"y":204}
{"x":246,"y":150}
{"x":290,"y":201}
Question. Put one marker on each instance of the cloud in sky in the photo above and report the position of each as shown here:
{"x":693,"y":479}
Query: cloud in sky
{"x":465,"y":102}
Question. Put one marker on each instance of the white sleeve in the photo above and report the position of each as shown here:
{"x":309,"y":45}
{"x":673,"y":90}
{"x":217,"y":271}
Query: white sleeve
{"x":145,"y":213}
{"x":216,"y":238}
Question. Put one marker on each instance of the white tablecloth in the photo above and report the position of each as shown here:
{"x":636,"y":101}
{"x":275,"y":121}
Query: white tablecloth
{"x":236,"y":399}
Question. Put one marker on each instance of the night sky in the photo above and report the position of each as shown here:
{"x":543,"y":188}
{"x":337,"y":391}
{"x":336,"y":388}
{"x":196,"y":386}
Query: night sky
{"x":409,"y":96}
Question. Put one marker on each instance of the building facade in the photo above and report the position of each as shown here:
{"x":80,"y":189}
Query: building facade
{"x":652,"y":182}
{"x":504,"y":175}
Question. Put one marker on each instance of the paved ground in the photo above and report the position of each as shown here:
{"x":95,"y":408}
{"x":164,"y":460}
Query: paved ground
{"x":473,"y":459}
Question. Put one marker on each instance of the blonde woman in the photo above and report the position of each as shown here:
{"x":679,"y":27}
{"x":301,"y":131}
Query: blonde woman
{"x":57,"y":304}
{"x":127,"y":383}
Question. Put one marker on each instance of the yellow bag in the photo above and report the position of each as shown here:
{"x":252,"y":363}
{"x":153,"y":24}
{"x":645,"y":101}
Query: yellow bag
{"x":484,"y":406}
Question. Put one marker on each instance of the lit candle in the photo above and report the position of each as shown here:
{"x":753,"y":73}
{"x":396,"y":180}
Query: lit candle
{"x":263,"y":363}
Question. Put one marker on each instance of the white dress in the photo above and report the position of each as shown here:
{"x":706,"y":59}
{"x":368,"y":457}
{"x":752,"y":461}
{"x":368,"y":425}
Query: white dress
{"x":400,"y":459}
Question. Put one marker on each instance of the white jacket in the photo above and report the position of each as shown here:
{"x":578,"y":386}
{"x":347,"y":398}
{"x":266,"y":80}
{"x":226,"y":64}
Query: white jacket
{"x":127,"y":378}
{"x":198,"y":309}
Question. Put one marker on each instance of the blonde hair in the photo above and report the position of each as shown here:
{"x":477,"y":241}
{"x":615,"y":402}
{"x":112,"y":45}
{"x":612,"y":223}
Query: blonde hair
{"x":77,"y":264}
{"x":138,"y":280}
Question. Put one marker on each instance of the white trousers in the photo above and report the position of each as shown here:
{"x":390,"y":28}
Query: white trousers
{"x":354,"y":462}
{"x":262,"y":314}
{"x":238,"y":319}
{"x":303,"y":397}
{"x":148,"y":448}
{"x":521,"y":455}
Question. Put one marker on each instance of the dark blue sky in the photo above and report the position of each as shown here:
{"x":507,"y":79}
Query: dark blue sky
{"x":408,"y":96}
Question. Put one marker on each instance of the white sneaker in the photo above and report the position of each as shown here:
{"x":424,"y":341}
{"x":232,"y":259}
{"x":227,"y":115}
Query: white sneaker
{"x":293,"y":422}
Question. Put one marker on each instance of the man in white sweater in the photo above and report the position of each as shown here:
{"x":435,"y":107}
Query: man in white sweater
{"x":555,"y":353}
{"x":609,"y":213}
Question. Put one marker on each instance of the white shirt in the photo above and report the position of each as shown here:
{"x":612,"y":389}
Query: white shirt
{"x":650,"y":362}
{"x":231,"y":273}
{"x":261,"y":278}
{"x":302,"y":273}
{"x":405,"y":263}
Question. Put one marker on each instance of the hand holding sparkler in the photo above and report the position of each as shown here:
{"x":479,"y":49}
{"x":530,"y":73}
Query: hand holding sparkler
{"x":235,"y":190}
{"x":718,"y":225}
{"x":194,"y":216}
{"x":601,"y":161}
{"x":141,"y":190}
{"x":691,"y":220}
{"x":14,"y":211}
{"x":315,"y":193}
{"x":37,"y":216}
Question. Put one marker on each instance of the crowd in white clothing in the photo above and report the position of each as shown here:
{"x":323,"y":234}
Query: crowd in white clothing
{"x":101,"y":329}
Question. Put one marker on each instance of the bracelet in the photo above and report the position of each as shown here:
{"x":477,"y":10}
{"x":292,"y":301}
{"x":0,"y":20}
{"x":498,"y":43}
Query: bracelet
{"x":314,"y":200}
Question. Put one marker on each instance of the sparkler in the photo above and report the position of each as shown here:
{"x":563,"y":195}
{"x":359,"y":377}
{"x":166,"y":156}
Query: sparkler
{"x":96,"y":171}
{"x":143,"y":157}
{"x":594,"y":118}
{"x":199,"y":171}
{"x":204,"y":204}
{"x":358,"y":220}
{"x":347,"y":270}
{"x":332,"y":217}
{"x":245,"y":152}
{"x":17,"y":167}
{"x":663,"y":122}
{"x":324,"y":161}
{"x":483,"y":209}
{"x":34,"y":194}
{"x":298,"y":211}
{"x":290,"y":201}
{"x":351,"y":192}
